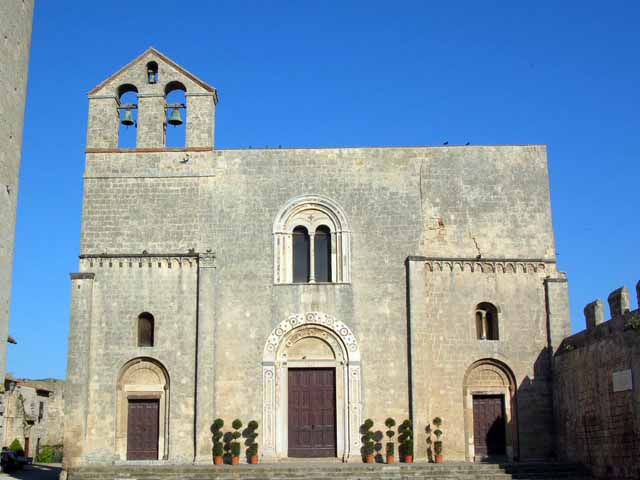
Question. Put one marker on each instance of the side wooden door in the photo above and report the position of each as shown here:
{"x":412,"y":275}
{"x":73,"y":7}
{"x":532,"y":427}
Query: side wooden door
{"x":489,"y":429}
{"x":143,"y":429}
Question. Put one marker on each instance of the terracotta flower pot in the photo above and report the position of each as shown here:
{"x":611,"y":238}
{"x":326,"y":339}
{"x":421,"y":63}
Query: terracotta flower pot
{"x":253,"y":459}
{"x":408,"y":459}
{"x":218,"y":460}
{"x":439,"y":458}
{"x":370,"y":458}
{"x":235,"y":460}
{"x":391,"y":459}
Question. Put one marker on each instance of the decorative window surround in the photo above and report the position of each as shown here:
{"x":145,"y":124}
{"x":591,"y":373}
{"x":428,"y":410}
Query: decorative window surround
{"x":311,"y":212}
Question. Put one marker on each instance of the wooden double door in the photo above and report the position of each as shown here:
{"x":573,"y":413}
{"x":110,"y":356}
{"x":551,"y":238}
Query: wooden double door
{"x":489,"y":426}
{"x":312,"y":412}
{"x":143,"y":428}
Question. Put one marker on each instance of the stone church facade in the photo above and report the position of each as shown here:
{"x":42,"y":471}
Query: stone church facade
{"x":377,"y":282}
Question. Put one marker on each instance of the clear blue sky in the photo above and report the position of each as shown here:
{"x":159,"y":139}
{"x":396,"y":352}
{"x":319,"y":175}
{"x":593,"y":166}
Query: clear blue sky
{"x":346,"y":73}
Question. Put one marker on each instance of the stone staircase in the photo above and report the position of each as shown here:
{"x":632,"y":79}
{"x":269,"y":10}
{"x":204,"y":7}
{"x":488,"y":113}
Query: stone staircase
{"x":336,"y":471}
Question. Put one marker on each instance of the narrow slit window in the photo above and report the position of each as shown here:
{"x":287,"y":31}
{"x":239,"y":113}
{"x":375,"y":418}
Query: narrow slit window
{"x":146,"y":326}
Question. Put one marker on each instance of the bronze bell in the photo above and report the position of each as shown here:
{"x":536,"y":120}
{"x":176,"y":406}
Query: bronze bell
{"x":127,"y":119}
{"x":175,"y":118}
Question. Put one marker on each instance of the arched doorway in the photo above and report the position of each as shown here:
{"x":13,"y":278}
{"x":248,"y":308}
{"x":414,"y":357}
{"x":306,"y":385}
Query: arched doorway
{"x":490,"y":411}
{"x":311,"y":356}
{"x":142,"y":416}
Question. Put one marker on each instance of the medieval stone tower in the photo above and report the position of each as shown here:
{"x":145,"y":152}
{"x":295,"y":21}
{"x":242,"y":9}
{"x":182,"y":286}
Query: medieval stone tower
{"x":15,"y":25}
{"x":305,"y":288}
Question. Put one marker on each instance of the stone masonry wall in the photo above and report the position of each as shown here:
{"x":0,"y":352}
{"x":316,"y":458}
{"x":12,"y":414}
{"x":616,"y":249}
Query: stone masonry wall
{"x":15,"y":42}
{"x":123,"y":288}
{"x":55,"y":409}
{"x":227,"y":201}
{"x":446,"y":346}
{"x":145,"y":208}
{"x":597,"y":391}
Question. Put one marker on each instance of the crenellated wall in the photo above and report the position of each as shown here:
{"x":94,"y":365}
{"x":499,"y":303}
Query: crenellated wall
{"x":597,"y":390}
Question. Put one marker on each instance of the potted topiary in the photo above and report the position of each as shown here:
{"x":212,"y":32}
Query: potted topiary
{"x":437,"y":445}
{"x":252,"y":450}
{"x":235,"y":445}
{"x":218,"y":447}
{"x":368,"y":440}
{"x":406,"y":441}
{"x":390,"y":423}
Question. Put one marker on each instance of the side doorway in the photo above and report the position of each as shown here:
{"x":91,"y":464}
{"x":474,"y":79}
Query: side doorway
{"x":489,"y":427}
{"x":143,"y":428}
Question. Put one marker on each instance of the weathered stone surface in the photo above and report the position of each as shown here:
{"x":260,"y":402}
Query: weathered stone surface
{"x":594,"y":313}
{"x":597,"y":393}
{"x":15,"y":25}
{"x":474,"y":223}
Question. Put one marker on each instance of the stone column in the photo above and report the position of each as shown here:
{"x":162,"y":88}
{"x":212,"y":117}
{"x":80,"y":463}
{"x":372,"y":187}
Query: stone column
{"x":312,"y":258}
{"x":78,"y":372}
{"x":205,"y":360}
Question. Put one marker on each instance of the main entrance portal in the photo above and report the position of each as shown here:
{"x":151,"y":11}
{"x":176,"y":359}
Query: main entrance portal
{"x":312,"y":389}
{"x":312,"y":412}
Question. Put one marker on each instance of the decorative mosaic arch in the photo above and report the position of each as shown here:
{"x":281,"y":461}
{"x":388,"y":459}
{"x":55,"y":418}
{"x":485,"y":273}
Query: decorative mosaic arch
{"x":338,"y":328}
{"x":348,"y":381}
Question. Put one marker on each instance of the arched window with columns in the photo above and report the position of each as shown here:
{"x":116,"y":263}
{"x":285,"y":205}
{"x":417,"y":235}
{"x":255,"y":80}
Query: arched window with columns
{"x":312,"y":242}
{"x":487,"y":322}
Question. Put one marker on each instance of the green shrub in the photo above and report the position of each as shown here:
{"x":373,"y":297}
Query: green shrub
{"x":236,"y":424}
{"x":218,"y":449}
{"x":218,"y":434}
{"x":235,"y":449}
{"x":437,"y":447}
{"x":16,"y":447}
{"x":391,"y":448}
{"x":45,"y":455}
{"x":390,"y":423}
{"x":251,"y":434}
{"x":368,"y":437}
{"x":406,"y":438}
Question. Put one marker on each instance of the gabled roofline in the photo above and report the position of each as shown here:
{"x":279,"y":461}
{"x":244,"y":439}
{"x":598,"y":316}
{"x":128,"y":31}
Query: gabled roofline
{"x":166,"y":59}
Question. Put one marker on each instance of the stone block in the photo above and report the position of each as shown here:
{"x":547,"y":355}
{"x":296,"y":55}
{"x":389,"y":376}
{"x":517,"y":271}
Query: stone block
{"x":619,"y":302}
{"x":594,"y":314}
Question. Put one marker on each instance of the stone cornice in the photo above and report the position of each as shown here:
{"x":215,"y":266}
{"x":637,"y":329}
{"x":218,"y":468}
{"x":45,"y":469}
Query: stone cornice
{"x":486,"y":265}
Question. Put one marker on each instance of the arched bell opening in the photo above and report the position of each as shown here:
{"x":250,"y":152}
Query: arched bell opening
{"x":175,"y":114}
{"x":304,"y":352}
{"x":128,"y":115}
{"x":152,"y":72}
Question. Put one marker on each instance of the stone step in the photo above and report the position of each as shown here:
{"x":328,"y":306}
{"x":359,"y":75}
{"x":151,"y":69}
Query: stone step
{"x":336,"y":471}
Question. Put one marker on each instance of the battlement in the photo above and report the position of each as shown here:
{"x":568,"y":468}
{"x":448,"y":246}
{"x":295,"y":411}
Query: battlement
{"x":622,"y":317}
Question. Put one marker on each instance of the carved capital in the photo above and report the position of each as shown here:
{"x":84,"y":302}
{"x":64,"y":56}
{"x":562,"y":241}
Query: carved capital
{"x":207,"y":260}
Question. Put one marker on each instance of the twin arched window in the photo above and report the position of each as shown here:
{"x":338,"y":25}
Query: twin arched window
{"x":487,"y":322}
{"x":146,"y":329}
{"x":311,"y":242}
{"x":311,"y":255}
